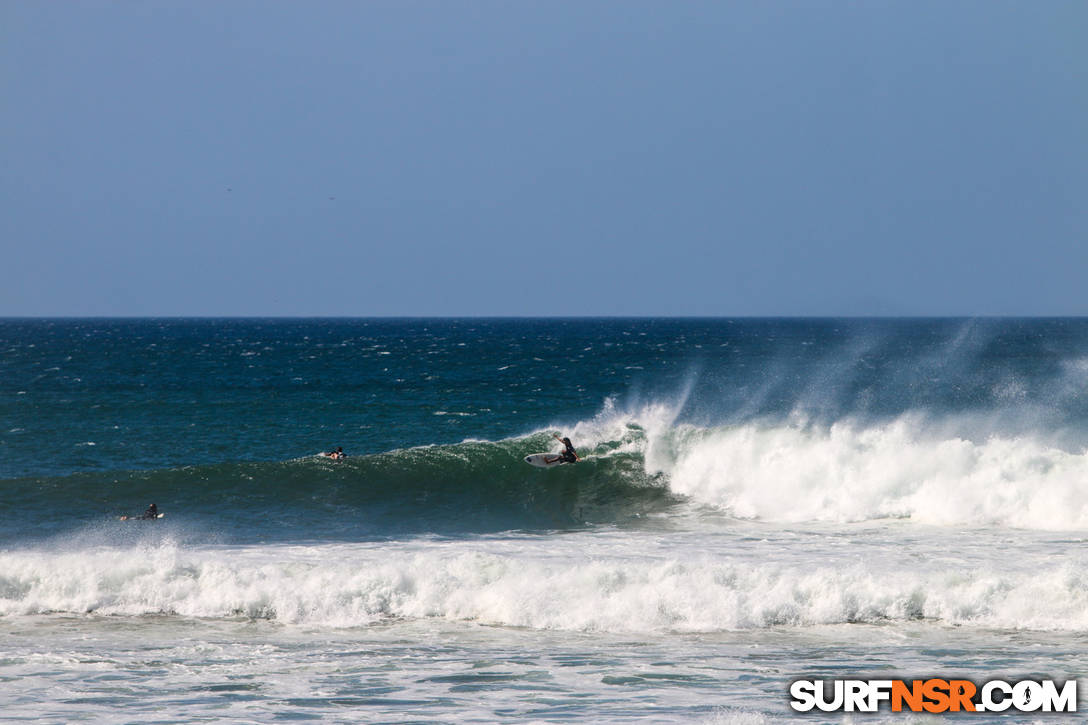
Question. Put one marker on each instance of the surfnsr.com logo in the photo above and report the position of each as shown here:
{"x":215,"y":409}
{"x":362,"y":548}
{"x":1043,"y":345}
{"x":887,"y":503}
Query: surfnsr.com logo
{"x":933,"y":695}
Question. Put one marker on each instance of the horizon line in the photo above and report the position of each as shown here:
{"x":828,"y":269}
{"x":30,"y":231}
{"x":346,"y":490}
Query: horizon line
{"x":878,"y":316}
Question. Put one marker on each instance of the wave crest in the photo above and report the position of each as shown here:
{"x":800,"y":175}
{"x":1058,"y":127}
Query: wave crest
{"x":854,"y":472}
{"x":350,"y":586}
{"x":635,"y":464}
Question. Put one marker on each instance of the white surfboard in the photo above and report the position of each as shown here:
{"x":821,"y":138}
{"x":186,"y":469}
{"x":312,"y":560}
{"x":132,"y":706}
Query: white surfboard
{"x":544,"y":460}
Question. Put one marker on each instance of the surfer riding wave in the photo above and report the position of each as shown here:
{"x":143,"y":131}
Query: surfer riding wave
{"x":547,"y":460}
{"x":569,"y":455}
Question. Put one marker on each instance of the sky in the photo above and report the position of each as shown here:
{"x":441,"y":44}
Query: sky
{"x":566,"y":158}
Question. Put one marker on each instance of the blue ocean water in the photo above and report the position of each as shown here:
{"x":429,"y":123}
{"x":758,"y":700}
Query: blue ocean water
{"x":759,"y":500}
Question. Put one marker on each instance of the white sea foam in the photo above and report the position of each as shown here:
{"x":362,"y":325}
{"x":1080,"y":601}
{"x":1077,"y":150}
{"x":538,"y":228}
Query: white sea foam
{"x":911,"y":467}
{"x":850,"y":473}
{"x":737,"y":717}
{"x":561,"y":588}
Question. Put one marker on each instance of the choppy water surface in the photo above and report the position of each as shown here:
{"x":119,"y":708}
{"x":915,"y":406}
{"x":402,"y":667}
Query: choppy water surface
{"x":760,"y":501}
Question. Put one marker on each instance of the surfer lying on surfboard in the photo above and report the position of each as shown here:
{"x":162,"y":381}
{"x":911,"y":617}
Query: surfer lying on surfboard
{"x":151,"y":513}
{"x":568,"y":455}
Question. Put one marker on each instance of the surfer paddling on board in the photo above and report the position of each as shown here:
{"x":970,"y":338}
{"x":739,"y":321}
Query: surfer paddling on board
{"x":337,"y":455}
{"x":568,"y":455}
{"x":151,"y":513}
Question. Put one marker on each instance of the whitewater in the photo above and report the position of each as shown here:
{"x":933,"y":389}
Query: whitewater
{"x":759,"y":501}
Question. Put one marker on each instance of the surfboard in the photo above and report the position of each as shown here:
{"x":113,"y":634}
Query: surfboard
{"x":544,"y":460}
{"x":139,"y":518}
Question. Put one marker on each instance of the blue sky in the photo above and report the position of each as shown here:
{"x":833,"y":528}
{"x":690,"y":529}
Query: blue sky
{"x":543,"y":158}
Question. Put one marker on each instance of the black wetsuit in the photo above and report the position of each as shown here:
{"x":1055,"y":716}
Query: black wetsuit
{"x":568,"y":456}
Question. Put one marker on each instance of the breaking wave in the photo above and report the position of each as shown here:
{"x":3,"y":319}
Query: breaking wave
{"x":911,"y":467}
{"x":352,"y":585}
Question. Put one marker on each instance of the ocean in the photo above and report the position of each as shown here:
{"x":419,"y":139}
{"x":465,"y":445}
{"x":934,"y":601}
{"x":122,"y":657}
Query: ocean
{"x":760,"y":501}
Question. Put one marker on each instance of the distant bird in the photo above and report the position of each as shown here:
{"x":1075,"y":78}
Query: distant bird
{"x":332,"y":198}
